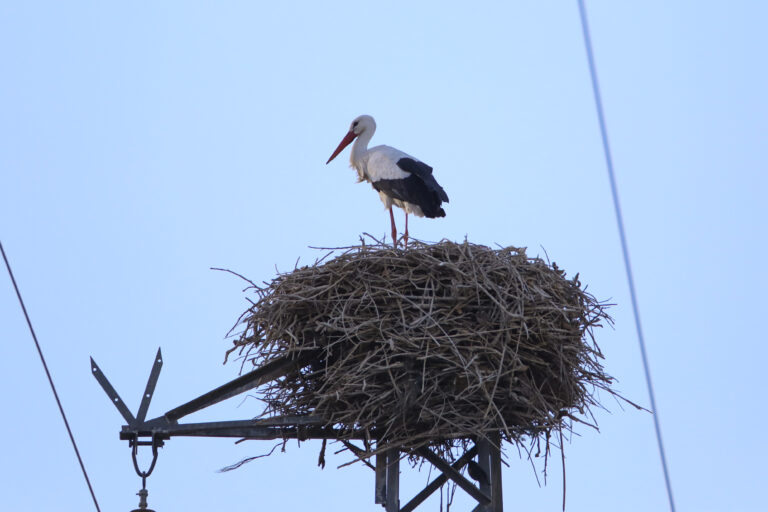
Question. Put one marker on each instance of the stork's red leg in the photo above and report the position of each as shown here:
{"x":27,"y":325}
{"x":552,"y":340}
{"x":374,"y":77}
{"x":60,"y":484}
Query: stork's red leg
{"x":405,"y":237}
{"x":394,"y":229}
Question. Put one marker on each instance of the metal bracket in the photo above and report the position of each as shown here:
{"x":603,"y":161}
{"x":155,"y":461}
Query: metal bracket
{"x":155,"y":443}
{"x":166,"y":426}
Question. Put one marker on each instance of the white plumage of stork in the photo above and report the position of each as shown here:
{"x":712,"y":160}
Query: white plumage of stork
{"x":399,"y":178}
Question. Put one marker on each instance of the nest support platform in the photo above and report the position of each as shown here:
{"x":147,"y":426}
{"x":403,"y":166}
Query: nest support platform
{"x":482,"y":458}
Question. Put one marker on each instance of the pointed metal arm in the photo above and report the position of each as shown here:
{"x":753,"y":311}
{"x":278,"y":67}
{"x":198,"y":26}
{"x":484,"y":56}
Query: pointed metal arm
{"x":112,"y":394}
{"x":150,"y":389}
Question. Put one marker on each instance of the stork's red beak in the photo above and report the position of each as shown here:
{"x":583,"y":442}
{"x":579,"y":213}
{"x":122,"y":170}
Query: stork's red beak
{"x":348,"y":138}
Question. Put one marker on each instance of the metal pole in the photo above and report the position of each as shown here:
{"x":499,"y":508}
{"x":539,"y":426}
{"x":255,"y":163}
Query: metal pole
{"x":393,"y":480}
{"x":484,"y":461}
{"x":497,"y":504}
{"x":381,"y":479}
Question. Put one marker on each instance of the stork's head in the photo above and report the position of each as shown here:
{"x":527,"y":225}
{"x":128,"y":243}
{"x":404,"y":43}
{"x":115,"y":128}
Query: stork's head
{"x":361,"y":124}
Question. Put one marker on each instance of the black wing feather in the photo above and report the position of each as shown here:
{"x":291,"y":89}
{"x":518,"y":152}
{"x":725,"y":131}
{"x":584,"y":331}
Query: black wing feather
{"x":419,"y":188}
{"x":424,"y":172}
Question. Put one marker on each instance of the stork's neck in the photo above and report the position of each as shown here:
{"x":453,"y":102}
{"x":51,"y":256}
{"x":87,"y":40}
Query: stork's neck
{"x":360,"y":148}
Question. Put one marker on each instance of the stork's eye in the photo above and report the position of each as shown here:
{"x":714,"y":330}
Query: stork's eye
{"x":354,"y":124}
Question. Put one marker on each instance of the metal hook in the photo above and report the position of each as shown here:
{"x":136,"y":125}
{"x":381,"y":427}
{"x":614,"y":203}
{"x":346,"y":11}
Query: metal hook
{"x":155,"y":443}
{"x":143,"y":493}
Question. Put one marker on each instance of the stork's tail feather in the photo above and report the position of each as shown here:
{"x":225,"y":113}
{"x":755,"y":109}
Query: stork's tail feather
{"x":434,"y":214}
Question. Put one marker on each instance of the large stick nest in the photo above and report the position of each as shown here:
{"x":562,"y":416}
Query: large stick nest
{"x":433,"y":345}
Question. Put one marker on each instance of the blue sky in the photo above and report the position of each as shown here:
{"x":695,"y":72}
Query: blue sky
{"x":144,"y":143}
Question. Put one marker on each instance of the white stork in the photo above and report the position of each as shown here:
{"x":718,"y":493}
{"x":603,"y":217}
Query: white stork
{"x":400,"y":179}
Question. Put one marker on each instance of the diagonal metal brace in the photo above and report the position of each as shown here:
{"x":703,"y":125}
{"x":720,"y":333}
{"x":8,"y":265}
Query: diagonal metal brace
{"x":438,"y":482}
{"x":243,"y":383}
{"x":454,"y":475}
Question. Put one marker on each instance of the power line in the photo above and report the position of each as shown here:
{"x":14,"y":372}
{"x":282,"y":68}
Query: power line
{"x":50,"y":379}
{"x":624,"y":248}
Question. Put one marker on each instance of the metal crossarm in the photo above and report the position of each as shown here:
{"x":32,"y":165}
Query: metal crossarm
{"x":246,"y":429}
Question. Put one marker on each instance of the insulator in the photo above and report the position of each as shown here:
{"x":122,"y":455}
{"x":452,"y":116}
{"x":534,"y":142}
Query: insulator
{"x":142,"y":494}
